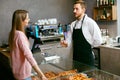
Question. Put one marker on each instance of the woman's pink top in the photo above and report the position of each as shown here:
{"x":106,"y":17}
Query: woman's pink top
{"x":22,"y":59}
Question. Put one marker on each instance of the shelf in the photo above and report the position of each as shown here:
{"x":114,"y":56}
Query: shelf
{"x":105,"y":20}
{"x":111,"y":13}
{"x":104,"y":6}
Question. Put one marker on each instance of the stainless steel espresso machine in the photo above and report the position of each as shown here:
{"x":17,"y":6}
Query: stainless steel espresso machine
{"x":42,"y":34}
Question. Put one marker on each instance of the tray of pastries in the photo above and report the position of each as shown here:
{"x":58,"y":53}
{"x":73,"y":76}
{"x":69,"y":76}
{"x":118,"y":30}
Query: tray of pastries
{"x":77,"y":76}
{"x":51,"y":75}
{"x":35,"y":78}
{"x":65,"y":75}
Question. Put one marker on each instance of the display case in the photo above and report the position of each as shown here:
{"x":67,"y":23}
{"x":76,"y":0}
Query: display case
{"x":101,"y":75}
{"x":91,"y":72}
{"x":105,"y":13}
{"x":96,"y":51}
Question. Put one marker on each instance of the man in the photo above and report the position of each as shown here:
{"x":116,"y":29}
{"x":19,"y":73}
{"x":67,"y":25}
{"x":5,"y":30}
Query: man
{"x":84,"y":35}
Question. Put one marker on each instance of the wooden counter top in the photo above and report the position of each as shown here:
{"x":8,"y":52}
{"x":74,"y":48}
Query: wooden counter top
{"x":5,"y":69}
{"x":5,"y":52}
{"x":111,"y":46}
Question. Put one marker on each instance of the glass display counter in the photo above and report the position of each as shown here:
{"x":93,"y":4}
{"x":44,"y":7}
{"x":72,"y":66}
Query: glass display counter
{"x":68,"y":65}
{"x":101,"y":75}
{"x":90,"y":71}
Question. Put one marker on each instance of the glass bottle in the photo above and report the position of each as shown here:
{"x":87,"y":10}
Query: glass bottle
{"x":101,"y":2}
{"x":112,"y":2}
{"x":60,"y":30}
{"x":105,"y":13}
{"x":97,"y":3}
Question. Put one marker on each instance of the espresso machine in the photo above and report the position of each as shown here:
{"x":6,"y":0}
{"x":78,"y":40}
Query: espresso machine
{"x":36,"y":32}
{"x":41,"y":33}
{"x":33,"y":31}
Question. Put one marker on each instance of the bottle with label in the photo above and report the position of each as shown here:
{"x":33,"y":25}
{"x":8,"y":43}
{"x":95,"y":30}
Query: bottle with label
{"x":60,"y":30}
{"x":101,"y":2}
{"x":106,"y":2}
{"x":111,"y":2}
{"x":97,"y":3}
{"x":105,"y":13}
{"x":36,"y":30}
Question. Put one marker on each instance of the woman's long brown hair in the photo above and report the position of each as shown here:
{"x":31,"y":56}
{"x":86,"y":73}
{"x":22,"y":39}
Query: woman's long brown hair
{"x":18,"y":17}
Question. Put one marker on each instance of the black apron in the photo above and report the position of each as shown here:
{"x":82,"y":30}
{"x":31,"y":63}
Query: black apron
{"x":82,"y":50}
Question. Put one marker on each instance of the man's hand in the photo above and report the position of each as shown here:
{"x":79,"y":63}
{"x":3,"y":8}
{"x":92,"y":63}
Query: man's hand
{"x":64,"y":43}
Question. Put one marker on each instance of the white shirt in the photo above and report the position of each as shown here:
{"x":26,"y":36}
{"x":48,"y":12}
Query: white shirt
{"x":90,"y":30}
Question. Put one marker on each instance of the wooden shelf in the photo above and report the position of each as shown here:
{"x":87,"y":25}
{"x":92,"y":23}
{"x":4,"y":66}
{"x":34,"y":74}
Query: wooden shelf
{"x":111,"y":13}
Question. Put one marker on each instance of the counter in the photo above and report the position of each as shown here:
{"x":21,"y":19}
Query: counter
{"x":5,"y":52}
{"x":82,"y":68}
{"x":61,"y":66}
{"x":5,"y":69}
{"x":109,"y":59}
{"x":113,"y":46}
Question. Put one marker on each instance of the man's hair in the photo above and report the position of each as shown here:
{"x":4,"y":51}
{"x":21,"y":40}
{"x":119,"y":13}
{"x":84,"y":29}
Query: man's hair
{"x":82,"y":3}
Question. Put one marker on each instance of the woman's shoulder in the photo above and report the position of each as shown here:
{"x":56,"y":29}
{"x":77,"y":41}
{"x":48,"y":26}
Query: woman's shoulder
{"x":19,"y":32}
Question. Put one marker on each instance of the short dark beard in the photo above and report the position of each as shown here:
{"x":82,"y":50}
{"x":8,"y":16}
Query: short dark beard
{"x":78,"y":18}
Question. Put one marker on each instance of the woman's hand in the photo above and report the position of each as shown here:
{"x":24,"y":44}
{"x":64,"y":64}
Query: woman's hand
{"x":64,"y":43}
{"x":44,"y":78}
{"x":41,"y":78}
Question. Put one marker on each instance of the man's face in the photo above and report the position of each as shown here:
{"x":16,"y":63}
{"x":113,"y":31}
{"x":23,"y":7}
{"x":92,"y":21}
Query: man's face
{"x":78,"y":10}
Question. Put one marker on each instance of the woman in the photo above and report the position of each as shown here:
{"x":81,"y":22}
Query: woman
{"x":22,"y":60}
